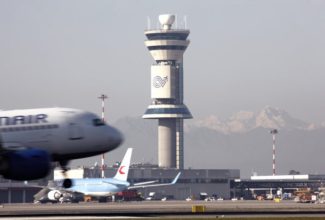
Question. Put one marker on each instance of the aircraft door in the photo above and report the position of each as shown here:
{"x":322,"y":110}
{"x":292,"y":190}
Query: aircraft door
{"x":75,"y":132}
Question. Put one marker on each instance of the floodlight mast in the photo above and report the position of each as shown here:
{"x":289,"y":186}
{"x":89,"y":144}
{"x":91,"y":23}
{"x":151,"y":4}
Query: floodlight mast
{"x":273,"y":132}
{"x":103,"y":97}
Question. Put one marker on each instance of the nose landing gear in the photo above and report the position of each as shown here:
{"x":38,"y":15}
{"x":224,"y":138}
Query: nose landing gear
{"x":67,"y":183}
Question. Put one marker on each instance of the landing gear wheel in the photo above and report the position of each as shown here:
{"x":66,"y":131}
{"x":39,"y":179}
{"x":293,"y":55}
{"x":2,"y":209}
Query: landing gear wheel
{"x":67,"y":183}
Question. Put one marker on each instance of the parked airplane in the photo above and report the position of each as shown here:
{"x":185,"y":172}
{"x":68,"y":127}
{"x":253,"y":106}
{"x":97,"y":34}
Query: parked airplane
{"x":103,"y":187}
{"x":32,"y":138}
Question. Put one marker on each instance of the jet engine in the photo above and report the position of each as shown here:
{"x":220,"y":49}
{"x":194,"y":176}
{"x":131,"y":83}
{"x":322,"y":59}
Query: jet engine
{"x":24,"y":164}
{"x":54,"y":195}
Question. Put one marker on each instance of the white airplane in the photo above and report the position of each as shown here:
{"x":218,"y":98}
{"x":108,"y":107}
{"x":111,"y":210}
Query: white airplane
{"x":31,"y":139}
{"x":102,"y":187}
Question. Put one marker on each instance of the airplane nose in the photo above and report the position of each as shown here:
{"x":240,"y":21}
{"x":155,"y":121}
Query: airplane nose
{"x":115,"y":138}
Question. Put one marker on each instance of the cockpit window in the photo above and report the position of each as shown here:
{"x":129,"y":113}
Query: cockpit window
{"x":98,"y":122}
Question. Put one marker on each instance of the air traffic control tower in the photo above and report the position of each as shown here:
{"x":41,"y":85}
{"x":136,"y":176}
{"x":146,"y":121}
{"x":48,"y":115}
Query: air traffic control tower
{"x":167,"y":46}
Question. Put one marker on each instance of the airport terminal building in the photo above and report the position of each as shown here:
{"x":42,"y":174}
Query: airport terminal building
{"x":220,"y":183}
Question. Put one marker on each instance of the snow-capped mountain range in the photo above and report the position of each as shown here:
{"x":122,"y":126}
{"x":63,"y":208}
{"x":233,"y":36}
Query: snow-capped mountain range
{"x":242,"y":142}
{"x":245,"y":121}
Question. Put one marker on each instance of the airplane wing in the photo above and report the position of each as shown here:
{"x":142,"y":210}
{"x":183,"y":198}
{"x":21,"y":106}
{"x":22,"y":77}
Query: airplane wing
{"x":145,"y":184}
{"x":115,"y":184}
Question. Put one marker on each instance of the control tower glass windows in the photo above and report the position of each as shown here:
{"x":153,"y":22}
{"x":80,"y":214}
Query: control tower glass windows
{"x":163,"y":101}
{"x":167,"y":111}
{"x":167,"y":47}
{"x":167,"y":36}
{"x":166,"y":62}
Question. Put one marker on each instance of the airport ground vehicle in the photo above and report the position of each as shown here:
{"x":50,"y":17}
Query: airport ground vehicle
{"x":128,"y":195}
{"x":155,"y":196}
{"x":305,"y":195}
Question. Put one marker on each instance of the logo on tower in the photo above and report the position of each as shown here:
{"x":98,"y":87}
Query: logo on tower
{"x":158,"y":82}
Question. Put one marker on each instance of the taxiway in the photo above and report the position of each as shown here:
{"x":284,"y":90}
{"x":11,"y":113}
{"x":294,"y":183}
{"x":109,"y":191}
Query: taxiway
{"x":159,"y":208}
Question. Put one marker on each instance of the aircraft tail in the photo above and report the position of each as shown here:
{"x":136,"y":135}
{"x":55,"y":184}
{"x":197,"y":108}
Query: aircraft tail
{"x":123,"y":170}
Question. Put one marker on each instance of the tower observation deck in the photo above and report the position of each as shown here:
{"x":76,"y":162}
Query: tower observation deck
{"x":167,"y":46}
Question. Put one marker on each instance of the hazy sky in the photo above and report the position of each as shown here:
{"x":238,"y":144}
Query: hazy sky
{"x":243,"y":55}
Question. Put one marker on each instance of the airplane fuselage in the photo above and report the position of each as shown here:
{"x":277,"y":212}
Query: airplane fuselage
{"x":98,"y":186}
{"x":63,"y":132}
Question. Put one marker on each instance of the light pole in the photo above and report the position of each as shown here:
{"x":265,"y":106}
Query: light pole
{"x":273,"y":132}
{"x":103,"y":97}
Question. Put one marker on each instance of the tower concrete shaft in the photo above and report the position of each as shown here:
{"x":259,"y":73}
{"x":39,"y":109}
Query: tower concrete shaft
{"x":167,"y":46}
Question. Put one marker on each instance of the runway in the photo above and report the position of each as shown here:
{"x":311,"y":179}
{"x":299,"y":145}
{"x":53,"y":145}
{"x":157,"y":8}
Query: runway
{"x":160,"y":208}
